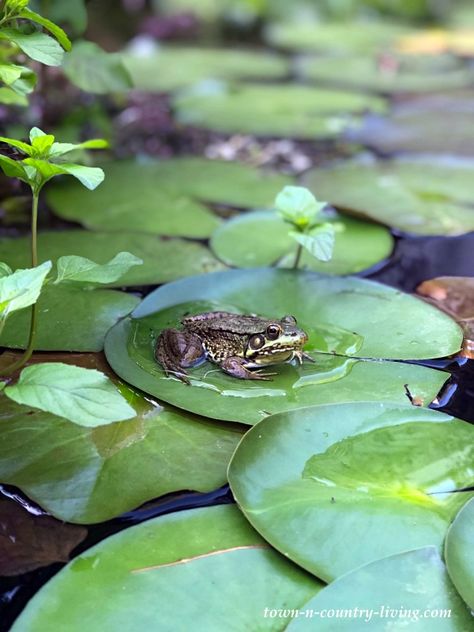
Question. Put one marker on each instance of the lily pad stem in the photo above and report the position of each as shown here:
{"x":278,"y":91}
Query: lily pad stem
{"x":20,"y":363}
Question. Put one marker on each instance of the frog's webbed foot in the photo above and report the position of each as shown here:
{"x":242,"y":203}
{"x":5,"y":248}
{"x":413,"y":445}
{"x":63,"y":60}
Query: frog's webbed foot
{"x":177,"y":350}
{"x":235,"y":366}
{"x":301,"y":355}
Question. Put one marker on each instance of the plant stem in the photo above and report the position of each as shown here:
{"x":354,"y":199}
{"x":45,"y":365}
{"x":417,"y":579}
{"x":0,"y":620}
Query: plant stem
{"x":20,"y":363}
{"x":299,"y":252}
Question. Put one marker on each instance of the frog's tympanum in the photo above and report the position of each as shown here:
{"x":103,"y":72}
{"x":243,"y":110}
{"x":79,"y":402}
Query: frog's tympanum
{"x":236,"y":343}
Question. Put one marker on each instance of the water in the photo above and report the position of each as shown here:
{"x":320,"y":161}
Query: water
{"x":414,"y":260}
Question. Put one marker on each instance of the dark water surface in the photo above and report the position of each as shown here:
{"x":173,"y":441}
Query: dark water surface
{"x":415,"y":259}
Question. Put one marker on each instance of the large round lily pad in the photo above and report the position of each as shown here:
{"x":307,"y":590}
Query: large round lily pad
{"x":410,"y":590}
{"x":350,"y":318}
{"x":170,"y":67}
{"x":261,"y":238}
{"x":459,"y":553}
{"x":391,"y":75}
{"x":163,"y":259}
{"x":146,"y":577}
{"x":381,"y":477}
{"x":69,"y":319}
{"x":335,"y":37}
{"x":161,"y":197}
{"x":89,"y":475}
{"x":274,"y":110}
{"x":422,"y":197}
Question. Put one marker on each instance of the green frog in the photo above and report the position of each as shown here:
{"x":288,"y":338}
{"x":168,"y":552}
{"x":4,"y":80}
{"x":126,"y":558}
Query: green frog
{"x":237,"y":343}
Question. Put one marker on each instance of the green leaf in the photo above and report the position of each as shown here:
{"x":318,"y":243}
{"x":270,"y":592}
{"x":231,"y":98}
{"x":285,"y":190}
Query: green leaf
{"x":9,"y":73}
{"x":171,"y":67}
{"x":282,"y":110}
{"x":408,"y":73}
{"x":81,"y":319}
{"x":42,"y":145}
{"x":38,"y":46}
{"x":416,"y":196}
{"x":36,"y":132}
{"x":141,"y":574}
{"x":8,"y":96}
{"x":170,"y":451}
{"x":5,"y":270}
{"x":84,"y":396}
{"x":22,"y":288}
{"x":260,"y":238}
{"x":55,"y":30}
{"x":90,"y":177}
{"x":459,"y":553}
{"x":410,"y":590}
{"x":59,"y":149}
{"x":320,"y":244}
{"x":353,"y":470}
{"x":164,"y":259}
{"x":18,"y":144}
{"x":82,"y":270}
{"x":13,"y":168}
{"x":94,"y":70}
{"x":298,"y":206}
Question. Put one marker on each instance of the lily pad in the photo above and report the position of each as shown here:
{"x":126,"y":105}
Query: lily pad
{"x":161,"y":197}
{"x":390,"y":75}
{"x":261,"y":238}
{"x":460,"y":553}
{"x":84,"y":475}
{"x":382,"y":476}
{"x":274,"y":110}
{"x":69,"y":319}
{"x":422,"y":131}
{"x":346,"y":317}
{"x":336,"y":37}
{"x":137,"y":579}
{"x":406,"y":591}
{"x":168,"y":68}
{"x":163,"y":259}
{"x":420,"y":197}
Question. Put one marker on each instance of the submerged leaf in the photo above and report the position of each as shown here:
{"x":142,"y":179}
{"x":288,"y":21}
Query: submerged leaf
{"x":29,"y":541}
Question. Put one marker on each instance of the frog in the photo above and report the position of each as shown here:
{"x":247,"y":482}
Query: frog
{"x":239,"y":344}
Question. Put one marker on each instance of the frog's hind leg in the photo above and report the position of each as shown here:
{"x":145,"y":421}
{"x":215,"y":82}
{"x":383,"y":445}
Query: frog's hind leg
{"x":235,"y":366}
{"x":176,"y":351}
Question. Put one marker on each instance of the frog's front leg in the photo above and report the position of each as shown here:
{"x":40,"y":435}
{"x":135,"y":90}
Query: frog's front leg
{"x":235,"y":366}
{"x":177,"y":350}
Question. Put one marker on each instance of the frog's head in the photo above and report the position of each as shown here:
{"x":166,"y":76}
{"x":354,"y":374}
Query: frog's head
{"x":277,"y":342}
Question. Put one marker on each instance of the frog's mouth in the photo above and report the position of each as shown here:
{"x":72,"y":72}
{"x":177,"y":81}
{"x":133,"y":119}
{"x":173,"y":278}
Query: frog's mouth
{"x":273,"y":356}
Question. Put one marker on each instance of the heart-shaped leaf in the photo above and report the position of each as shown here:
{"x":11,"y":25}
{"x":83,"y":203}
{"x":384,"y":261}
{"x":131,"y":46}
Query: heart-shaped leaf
{"x":421,"y":197}
{"x":312,"y":480}
{"x":333,"y":312}
{"x":409,"y":590}
{"x":87,"y":475}
{"x":137,"y":579}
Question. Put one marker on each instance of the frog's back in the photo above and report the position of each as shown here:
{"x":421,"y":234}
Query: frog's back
{"x":239,"y":324}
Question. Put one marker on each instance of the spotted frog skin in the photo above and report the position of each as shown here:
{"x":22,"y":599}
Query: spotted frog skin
{"x":236,"y":343}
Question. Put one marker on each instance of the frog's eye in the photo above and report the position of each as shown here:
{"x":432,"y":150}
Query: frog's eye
{"x":273,"y":331}
{"x":256,"y":342}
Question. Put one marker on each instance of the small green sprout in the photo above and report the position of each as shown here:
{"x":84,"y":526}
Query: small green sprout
{"x":299,"y":208}
{"x":44,"y":159}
